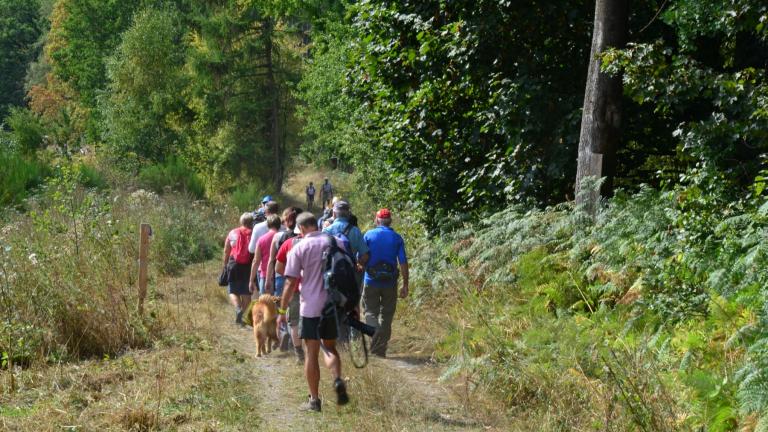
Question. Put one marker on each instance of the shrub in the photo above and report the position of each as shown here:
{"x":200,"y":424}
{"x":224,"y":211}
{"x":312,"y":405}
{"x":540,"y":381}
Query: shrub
{"x":68,"y":267}
{"x":20,"y":174}
{"x":26,"y":129}
{"x":172,"y":175}
{"x":247,"y":197}
{"x":90,"y":177}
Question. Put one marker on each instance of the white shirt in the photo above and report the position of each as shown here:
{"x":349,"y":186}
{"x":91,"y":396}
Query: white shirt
{"x":258,"y":230}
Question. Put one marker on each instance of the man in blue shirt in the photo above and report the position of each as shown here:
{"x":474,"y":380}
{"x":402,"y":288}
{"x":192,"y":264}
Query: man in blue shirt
{"x":386,"y":253}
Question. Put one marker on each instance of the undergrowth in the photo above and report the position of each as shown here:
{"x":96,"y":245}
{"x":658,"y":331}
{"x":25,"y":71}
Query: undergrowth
{"x":68,"y":267}
{"x":648,"y":316}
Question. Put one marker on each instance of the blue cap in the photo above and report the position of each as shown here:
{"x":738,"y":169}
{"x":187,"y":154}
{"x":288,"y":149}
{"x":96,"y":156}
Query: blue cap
{"x":266,"y":199}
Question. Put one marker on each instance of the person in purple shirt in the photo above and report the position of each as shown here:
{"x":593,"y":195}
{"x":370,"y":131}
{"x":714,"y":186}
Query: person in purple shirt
{"x":305,"y":262}
{"x":386,"y":251}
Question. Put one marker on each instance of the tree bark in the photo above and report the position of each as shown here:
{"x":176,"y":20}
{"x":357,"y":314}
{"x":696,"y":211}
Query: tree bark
{"x":601,"y":117}
{"x":273,"y":93}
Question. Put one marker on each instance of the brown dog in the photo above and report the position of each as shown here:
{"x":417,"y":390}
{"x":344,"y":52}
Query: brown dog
{"x":264,"y":314}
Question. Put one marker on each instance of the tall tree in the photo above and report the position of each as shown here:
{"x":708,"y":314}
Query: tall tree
{"x":601,"y":116}
{"x":145,"y":94}
{"x":20,"y":27}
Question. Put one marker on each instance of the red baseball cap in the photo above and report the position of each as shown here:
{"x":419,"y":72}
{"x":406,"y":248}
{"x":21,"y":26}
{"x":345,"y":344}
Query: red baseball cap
{"x":384,"y":214}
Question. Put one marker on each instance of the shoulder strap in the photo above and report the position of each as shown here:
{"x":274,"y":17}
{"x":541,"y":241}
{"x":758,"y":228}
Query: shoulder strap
{"x":347,"y":229}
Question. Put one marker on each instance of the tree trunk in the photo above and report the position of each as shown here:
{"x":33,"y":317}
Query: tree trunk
{"x":273,"y":93}
{"x":601,"y":117}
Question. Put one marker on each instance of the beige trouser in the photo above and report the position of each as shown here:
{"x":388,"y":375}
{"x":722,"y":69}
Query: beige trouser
{"x":379,"y":305}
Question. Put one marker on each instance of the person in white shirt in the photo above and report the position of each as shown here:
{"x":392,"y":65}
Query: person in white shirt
{"x":271,"y":208}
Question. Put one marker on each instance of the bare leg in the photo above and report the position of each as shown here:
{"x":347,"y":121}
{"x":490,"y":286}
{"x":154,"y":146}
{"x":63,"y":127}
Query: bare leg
{"x":331,"y":357}
{"x":312,"y":367}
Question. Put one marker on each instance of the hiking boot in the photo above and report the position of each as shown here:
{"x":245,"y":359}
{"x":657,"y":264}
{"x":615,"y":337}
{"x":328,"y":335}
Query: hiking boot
{"x":342,"y":398}
{"x":299,"y":351}
{"x":313,"y":405}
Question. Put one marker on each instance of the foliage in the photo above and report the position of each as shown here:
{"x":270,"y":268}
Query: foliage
{"x":173,"y":175}
{"x":20,"y":27}
{"x":653,"y":302}
{"x":20,"y":174}
{"x":27,"y":131}
{"x":144,"y":109}
{"x":245,"y":198}
{"x":68,"y":267}
{"x":714,"y":97}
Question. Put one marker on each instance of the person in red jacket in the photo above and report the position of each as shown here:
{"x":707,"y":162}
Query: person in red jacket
{"x":237,"y":260}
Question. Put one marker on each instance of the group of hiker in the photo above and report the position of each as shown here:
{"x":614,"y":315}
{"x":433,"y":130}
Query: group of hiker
{"x":287,"y":256}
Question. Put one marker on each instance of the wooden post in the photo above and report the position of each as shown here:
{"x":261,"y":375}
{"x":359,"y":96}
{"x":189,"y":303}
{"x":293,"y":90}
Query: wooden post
{"x":146,"y":230}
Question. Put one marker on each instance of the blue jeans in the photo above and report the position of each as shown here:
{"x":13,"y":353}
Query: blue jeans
{"x":279,"y":283}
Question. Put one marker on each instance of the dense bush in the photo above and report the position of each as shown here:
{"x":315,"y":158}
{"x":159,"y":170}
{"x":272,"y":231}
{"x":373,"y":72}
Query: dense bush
{"x":19,"y":174}
{"x":68,"y":267}
{"x":172,"y":175}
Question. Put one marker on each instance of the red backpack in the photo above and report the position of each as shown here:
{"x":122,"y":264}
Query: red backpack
{"x":240,"y":249}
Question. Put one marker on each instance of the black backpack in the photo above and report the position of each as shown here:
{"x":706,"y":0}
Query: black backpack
{"x":339,"y":277}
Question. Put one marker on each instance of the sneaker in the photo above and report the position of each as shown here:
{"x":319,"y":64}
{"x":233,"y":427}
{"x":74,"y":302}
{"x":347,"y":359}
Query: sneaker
{"x":239,"y":316}
{"x":312,"y":405}
{"x":342,"y":398}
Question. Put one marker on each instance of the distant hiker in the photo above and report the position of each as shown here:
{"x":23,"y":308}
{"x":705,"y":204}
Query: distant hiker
{"x":306,"y":261}
{"x":238,"y":259}
{"x":259,"y":215}
{"x":387,"y":251}
{"x":352,"y":239}
{"x":310,"y":191}
{"x":326,"y":192}
{"x":270,"y":208}
{"x":258,"y":274}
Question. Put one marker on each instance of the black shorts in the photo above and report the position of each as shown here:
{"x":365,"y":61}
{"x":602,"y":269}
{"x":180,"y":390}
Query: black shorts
{"x":312,"y":328}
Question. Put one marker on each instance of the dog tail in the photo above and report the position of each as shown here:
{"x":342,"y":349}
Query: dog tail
{"x":267,"y":298}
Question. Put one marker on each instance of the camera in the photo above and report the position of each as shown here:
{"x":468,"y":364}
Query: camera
{"x":358,"y":325}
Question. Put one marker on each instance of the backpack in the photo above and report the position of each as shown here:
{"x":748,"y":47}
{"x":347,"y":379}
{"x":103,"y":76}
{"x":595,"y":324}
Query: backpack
{"x":240,"y":250}
{"x":339,"y":277}
{"x":343,"y":238}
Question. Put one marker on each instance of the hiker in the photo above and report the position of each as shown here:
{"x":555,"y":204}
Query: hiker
{"x":238,"y":259}
{"x":310,"y":191}
{"x":306,"y":261}
{"x":326,"y":192}
{"x":259,"y":214}
{"x":261,"y":257}
{"x":386,"y":252}
{"x":281,"y":245}
{"x":327,"y":217}
{"x":270,"y":208}
{"x":353,"y":241}
{"x":293,"y":312}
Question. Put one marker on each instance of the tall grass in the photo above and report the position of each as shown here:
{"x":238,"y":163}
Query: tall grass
{"x":68,"y":267}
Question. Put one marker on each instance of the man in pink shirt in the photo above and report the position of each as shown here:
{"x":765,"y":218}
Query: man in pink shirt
{"x":306,"y":261}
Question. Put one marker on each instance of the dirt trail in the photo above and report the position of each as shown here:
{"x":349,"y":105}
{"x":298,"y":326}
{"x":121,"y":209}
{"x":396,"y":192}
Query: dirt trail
{"x":398,"y":393}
